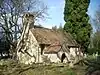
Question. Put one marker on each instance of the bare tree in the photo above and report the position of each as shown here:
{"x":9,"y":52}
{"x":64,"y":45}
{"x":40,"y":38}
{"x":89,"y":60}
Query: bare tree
{"x":11,"y":14}
{"x":96,"y":21}
{"x":54,"y":27}
{"x":95,"y":38}
{"x":12,"y":10}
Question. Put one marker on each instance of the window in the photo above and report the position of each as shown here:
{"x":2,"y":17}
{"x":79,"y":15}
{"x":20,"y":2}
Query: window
{"x":42,"y":48}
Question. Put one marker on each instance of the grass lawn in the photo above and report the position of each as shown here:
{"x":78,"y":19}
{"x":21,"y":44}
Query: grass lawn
{"x":56,"y":70}
{"x":13,"y":68}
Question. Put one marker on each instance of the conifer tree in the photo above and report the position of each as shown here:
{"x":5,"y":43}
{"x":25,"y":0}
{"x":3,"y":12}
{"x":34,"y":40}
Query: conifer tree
{"x":77,"y":21}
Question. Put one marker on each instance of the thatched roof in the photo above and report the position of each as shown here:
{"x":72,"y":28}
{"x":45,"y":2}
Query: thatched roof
{"x":50,"y":36}
{"x":53,"y":48}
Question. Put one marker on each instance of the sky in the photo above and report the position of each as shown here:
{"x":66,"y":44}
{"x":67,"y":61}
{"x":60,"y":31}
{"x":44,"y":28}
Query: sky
{"x":94,"y":6}
{"x":56,"y":9}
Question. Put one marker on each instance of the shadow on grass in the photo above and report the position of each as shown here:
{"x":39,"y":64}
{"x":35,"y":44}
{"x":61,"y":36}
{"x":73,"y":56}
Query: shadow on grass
{"x":10,"y":67}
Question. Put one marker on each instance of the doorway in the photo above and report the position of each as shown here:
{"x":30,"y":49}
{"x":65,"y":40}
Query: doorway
{"x":63,"y":57}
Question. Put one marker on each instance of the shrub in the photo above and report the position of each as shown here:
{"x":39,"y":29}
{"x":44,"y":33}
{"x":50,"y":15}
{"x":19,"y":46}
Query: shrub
{"x":93,"y":65}
{"x":90,"y":51}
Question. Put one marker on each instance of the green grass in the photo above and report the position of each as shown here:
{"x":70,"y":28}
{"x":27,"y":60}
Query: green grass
{"x":56,"y":70}
{"x":13,"y":68}
{"x":50,"y":70}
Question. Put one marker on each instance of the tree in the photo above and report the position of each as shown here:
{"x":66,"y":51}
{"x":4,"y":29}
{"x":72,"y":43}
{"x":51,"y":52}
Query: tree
{"x":54,"y":27}
{"x":77,"y":21}
{"x":60,"y":27}
{"x":96,"y":40}
{"x":13,"y":23}
{"x":94,"y":64}
{"x":94,"y":46}
{"x":11,"y":11}
{"x":95,"y":22}
{"x":95,"y":37}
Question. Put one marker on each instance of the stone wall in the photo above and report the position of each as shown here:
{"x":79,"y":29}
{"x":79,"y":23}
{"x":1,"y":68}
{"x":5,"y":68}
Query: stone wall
{"x":32,"y":53}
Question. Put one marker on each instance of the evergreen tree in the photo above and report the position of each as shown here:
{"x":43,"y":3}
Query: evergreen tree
{"x":77,"y":21}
